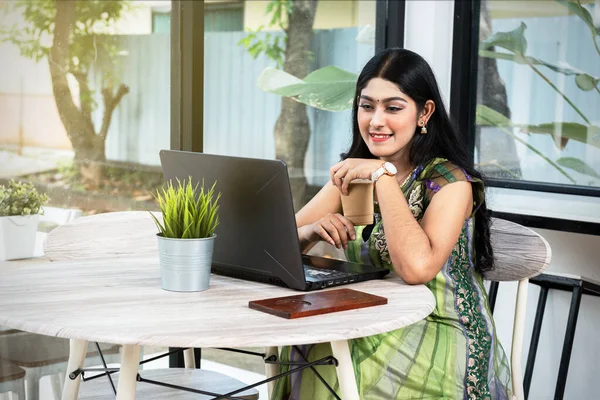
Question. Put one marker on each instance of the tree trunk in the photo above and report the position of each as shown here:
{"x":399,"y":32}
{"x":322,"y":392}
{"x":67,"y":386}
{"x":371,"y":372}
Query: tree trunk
{"x":89,"y":146}
{"x":495,"y":147}
{"x":292,"y":130}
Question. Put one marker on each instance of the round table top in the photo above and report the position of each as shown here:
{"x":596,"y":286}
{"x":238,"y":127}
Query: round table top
{"x":116,"y":297}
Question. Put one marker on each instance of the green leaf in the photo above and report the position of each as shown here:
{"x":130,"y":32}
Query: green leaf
{"x":577,"y":165}
{"x":558,"y":130}
{"x":513,"y":41}
{"x":581,"y":13}
{"x":487,"y":116}
{"x":329,"y":88}
{"x":586,"y":82}
{"x":568,"y":130}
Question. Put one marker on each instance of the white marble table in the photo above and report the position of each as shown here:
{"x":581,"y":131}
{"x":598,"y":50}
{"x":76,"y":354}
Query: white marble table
{"x":104,"y":286}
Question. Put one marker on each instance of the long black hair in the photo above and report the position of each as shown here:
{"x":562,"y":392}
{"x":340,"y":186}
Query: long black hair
{"x":414,"y":77}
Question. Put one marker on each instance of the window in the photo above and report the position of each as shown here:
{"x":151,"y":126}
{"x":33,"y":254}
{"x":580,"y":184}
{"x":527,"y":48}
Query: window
{"x":223,"y":17}
{"x":538,"y":94}
{"x":241,"y":119}
{"x":95,"y":148}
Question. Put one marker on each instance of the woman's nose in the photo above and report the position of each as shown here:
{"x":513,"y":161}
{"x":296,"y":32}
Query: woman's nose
{"x":378,"y":119}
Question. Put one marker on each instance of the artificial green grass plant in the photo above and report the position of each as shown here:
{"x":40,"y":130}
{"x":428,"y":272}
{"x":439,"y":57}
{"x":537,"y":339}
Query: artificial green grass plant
{"x":188,"y":213}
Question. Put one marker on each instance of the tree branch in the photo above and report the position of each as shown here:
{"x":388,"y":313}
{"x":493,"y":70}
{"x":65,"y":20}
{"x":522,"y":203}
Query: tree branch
{"x":110,"y":103}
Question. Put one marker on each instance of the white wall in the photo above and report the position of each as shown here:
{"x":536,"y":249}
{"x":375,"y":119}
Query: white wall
{"x":428,"y":31}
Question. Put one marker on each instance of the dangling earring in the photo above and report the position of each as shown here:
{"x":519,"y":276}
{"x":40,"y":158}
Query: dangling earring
{"x":423,"y":128}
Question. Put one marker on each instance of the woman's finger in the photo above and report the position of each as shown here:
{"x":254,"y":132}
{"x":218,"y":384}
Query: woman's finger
{"x":340,"y":176}
{"x":350,"y":175}
{"x":322,"y":232}
{"x":341,"y":230}
{"x":348,"y":225}
{"x":332,"y":231}
{"x":334,"y":168}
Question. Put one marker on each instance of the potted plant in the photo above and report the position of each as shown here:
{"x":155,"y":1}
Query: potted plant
{"x":186,"y":235}
{"x":20,"y":207}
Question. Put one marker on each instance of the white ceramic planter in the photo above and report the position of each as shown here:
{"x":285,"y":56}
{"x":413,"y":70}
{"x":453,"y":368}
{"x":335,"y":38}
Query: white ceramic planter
{"x":185,"y":263}
{"x":17,"y":236}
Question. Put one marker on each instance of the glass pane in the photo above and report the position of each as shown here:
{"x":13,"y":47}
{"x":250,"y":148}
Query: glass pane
{"x":538,"y":95}
{"x":92,"y":144}
{"x":83,"y":119}
{"x":241,"y":115}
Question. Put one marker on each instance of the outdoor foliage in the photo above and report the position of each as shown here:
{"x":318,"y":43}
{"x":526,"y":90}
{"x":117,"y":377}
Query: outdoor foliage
{"x":272,"y":45}
{"x":20,"y":198}
{"x":188,"y":213}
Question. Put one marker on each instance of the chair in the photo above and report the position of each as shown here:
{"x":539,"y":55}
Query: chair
{"x":520,"y":255}
{"x":12,"y":380}
{"x":578,"y":286}
{"x":40,"y":355}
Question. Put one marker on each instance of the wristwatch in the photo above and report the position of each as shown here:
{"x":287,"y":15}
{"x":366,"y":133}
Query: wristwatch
{"x":387,"y":168}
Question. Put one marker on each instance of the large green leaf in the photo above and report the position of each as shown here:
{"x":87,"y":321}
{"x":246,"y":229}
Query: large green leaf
{"x":487,"y":116}
{"x":558,"y":130}
{"x":567,"y":130}
{"x":584,"y":80}
{"x":577,"y":165}
{"x":513,"y":41}
{"x":581,"y":13}
{"x":329,"y":88}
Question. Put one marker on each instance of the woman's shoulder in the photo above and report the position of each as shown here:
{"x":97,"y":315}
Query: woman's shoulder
{"x":439,"y":172}
{"x":443,"y":170}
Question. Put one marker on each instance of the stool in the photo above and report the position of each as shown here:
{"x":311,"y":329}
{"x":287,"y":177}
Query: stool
{"x":12,"y":379}
{"x":579,"y":286}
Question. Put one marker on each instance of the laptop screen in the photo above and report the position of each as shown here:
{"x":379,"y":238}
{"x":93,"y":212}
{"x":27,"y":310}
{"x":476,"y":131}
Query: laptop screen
{"x":257,"y":233}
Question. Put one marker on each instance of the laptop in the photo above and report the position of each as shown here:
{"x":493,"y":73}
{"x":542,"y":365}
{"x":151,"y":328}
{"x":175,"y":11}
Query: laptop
{"x":257,"y":237}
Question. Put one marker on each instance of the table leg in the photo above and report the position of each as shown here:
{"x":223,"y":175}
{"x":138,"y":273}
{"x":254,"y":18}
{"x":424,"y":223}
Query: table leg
{"x":271,"y":369}
{"x":189,"y":359}
{"x":77,"y":352}
{"x":345,"y":370}
{"x":130,"y":363}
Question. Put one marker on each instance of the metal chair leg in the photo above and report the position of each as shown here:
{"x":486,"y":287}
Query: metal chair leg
{"x":492,"y":293}
{"x":568,"y":343}
{"x":535,"y":338}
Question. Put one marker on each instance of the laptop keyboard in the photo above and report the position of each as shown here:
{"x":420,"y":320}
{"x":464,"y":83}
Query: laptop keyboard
{"x":322,"y":273}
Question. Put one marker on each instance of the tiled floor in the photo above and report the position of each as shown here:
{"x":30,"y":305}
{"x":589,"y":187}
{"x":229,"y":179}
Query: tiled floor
{"x":240,"y":374}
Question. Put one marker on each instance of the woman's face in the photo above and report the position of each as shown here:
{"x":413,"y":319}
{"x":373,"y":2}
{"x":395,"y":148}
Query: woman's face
{"x":387,"y":119}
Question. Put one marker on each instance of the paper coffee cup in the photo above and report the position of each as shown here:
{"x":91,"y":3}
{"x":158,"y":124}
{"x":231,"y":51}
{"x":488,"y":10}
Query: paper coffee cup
{"x":357,"y":206}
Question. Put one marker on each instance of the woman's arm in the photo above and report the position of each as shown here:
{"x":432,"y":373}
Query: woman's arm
{"x":419,"y":251}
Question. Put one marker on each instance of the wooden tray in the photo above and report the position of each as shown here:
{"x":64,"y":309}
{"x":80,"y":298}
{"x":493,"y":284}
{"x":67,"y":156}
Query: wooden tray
{"x":316,"y":303}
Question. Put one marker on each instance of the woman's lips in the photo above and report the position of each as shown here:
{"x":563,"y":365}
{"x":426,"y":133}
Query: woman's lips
{"x":380,"y":137}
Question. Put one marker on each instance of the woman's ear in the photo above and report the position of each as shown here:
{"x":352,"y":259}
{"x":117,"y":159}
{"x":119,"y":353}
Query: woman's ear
{"x":428,"y":109}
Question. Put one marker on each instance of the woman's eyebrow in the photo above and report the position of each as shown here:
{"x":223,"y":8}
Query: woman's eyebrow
{"x":362,"y":96}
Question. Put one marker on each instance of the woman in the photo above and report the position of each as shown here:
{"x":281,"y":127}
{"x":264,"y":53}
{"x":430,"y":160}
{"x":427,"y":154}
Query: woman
{"x":430,"y":200}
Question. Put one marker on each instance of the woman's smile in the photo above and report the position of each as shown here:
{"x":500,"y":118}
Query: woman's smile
{"x":379,"y":137}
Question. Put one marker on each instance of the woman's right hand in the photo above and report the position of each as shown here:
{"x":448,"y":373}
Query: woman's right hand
{"x":335,"y":229}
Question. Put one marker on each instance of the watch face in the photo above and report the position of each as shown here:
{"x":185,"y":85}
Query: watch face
{"x":390,"y":167}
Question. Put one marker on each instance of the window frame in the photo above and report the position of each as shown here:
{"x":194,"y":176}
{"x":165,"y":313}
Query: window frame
{"x":464,"y":86}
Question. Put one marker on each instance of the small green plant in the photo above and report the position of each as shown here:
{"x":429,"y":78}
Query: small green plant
{"x":188,"y":213}
{"x":20,"y":198}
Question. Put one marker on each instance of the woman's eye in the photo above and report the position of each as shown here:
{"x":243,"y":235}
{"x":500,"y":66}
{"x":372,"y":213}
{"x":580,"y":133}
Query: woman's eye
{"x":394,"y":109}
{"x":365,"y":106}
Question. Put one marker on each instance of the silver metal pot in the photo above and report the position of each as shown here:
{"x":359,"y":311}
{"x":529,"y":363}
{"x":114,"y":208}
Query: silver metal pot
{"x":185,"y":263}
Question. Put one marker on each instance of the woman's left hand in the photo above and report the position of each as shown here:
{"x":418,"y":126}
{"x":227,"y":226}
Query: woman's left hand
{"x":350,"y":169}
